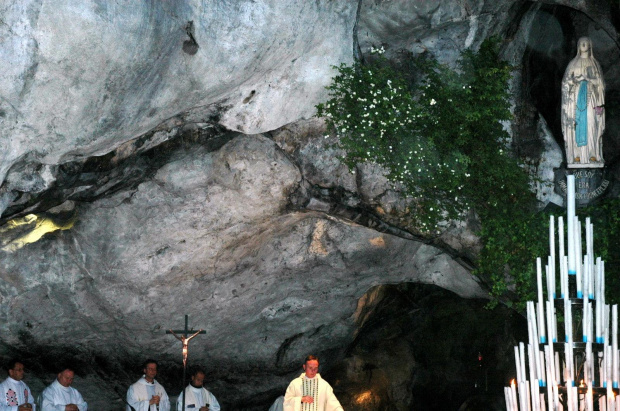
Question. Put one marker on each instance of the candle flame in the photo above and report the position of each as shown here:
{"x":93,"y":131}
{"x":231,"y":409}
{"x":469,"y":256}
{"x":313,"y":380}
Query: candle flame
{"x":364,"y":397}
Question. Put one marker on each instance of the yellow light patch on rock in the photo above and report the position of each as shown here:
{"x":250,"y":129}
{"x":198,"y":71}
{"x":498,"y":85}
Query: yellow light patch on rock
{"x":317,"y":247}
{"x":39,"y":226}
{"x":377,"y":241}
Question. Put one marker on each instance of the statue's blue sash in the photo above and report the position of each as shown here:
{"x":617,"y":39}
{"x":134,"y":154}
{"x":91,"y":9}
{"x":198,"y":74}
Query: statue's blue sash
{"x":581,"y":115}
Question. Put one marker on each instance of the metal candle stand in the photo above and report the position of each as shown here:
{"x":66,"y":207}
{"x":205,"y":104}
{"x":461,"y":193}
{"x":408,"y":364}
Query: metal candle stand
{"x":578,"y":372}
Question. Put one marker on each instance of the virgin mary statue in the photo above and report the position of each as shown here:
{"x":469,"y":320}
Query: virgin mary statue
{"x":583,"y":113}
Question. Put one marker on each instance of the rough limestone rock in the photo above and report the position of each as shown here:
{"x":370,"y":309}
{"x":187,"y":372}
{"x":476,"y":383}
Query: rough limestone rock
{"x":442,"y":28}
{"x":209,"y":236}
{"x":165,"y":150}
{"x":81,"y":79}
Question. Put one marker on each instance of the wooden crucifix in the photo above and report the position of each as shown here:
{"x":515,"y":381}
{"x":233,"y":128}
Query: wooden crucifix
{"x":185,"y":336}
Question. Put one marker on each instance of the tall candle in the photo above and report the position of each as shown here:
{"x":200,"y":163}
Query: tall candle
{"x":569,"y":398}
{"x":540,"y":308}
{"x":551,"y":292}
{"x":578,"y":258}
{"x":606,"y":317}
{"x":557,"y":368}
{"x":522,"y":357}
{"x":599,"y":303}
{"x":535,"y":389}
{"x":513,"y":388}
{"x":551,"y":336}
{"x":570,"y":219}
{"x":586,"y":278}
{"x":551,"y":282}
{"x":565,"y":278}
{"x":614,"y":339}
{"x":561,"y":251}
{"x":518,"y":364}
{"x":602,"y":281}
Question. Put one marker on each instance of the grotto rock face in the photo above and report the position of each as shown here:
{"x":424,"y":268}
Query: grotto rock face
{"x":82,"y":79}
{"x":209,"y":236}
{"x":158,"y":160}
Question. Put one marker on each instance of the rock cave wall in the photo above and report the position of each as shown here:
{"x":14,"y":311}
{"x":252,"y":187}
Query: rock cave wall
{"x":161,"y":160}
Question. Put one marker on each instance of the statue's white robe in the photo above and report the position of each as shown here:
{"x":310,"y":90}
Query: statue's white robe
{"x":325,"y":399}
{"x":137,"y":396}
{"x":56,"y":397}
{"x":12,"y":390}
{"x":194,"y":402}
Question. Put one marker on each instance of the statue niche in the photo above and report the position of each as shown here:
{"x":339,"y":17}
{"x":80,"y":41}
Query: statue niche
{"x":583,"y":113}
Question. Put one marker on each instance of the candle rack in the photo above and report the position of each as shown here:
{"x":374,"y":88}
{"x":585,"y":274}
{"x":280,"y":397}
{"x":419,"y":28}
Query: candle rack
{"x":571,"y":359}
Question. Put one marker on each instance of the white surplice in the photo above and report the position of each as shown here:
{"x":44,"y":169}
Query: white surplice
{"x":324,"y":398}
{"x":196,"y":398}
{"x":15,"y":393}
{"x":138,"y":396}
{"x":56,"y":397}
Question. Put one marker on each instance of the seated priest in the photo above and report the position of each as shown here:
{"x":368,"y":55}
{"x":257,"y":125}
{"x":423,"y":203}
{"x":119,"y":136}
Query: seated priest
{"x":60,"y":395}
{"x":147,"y":394}
{"x":16,"y":395}
{"x":197,"y":398}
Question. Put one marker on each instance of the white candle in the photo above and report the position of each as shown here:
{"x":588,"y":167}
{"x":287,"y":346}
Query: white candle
{"x":565,"y":278}
{"x":518,"y":364}
{"x":568,"y":322}
{"x":549,"y":312}
{"x":561,"y":252}
{"x":548,"y":366}
{"x":570,"y":219}
{"x":592,"y":287}
{"x":531,"y":360}
{"x":535,"y":396}
{"x":551,"y":292}
{"x":522,"y":357}
{"x":523,"y":397}
{"x":557,"y":368}
{"x":540,"y":307}
{"x":513,"y":388}
{"x":569,"y":398}
{"x":586,"y":279}
{"x":606,"y":332}
{"x":614,"y":338}
{"x":587,"y":376}
{"x":551,"y":282}
{"x":578,"y":257}
{"x":599,"y":303}
{"x":601,"y":280}
{"x":570,"y":365}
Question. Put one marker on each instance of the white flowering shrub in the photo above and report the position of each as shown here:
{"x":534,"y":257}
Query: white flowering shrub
{"x":442,"y":141}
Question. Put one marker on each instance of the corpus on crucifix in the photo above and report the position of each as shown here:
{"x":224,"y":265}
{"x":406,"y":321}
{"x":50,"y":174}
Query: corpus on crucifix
{"x":185,"y":336}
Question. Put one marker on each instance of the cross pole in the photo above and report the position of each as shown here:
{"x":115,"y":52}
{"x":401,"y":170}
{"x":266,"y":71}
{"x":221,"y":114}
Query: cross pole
{"x":182,"y":335}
